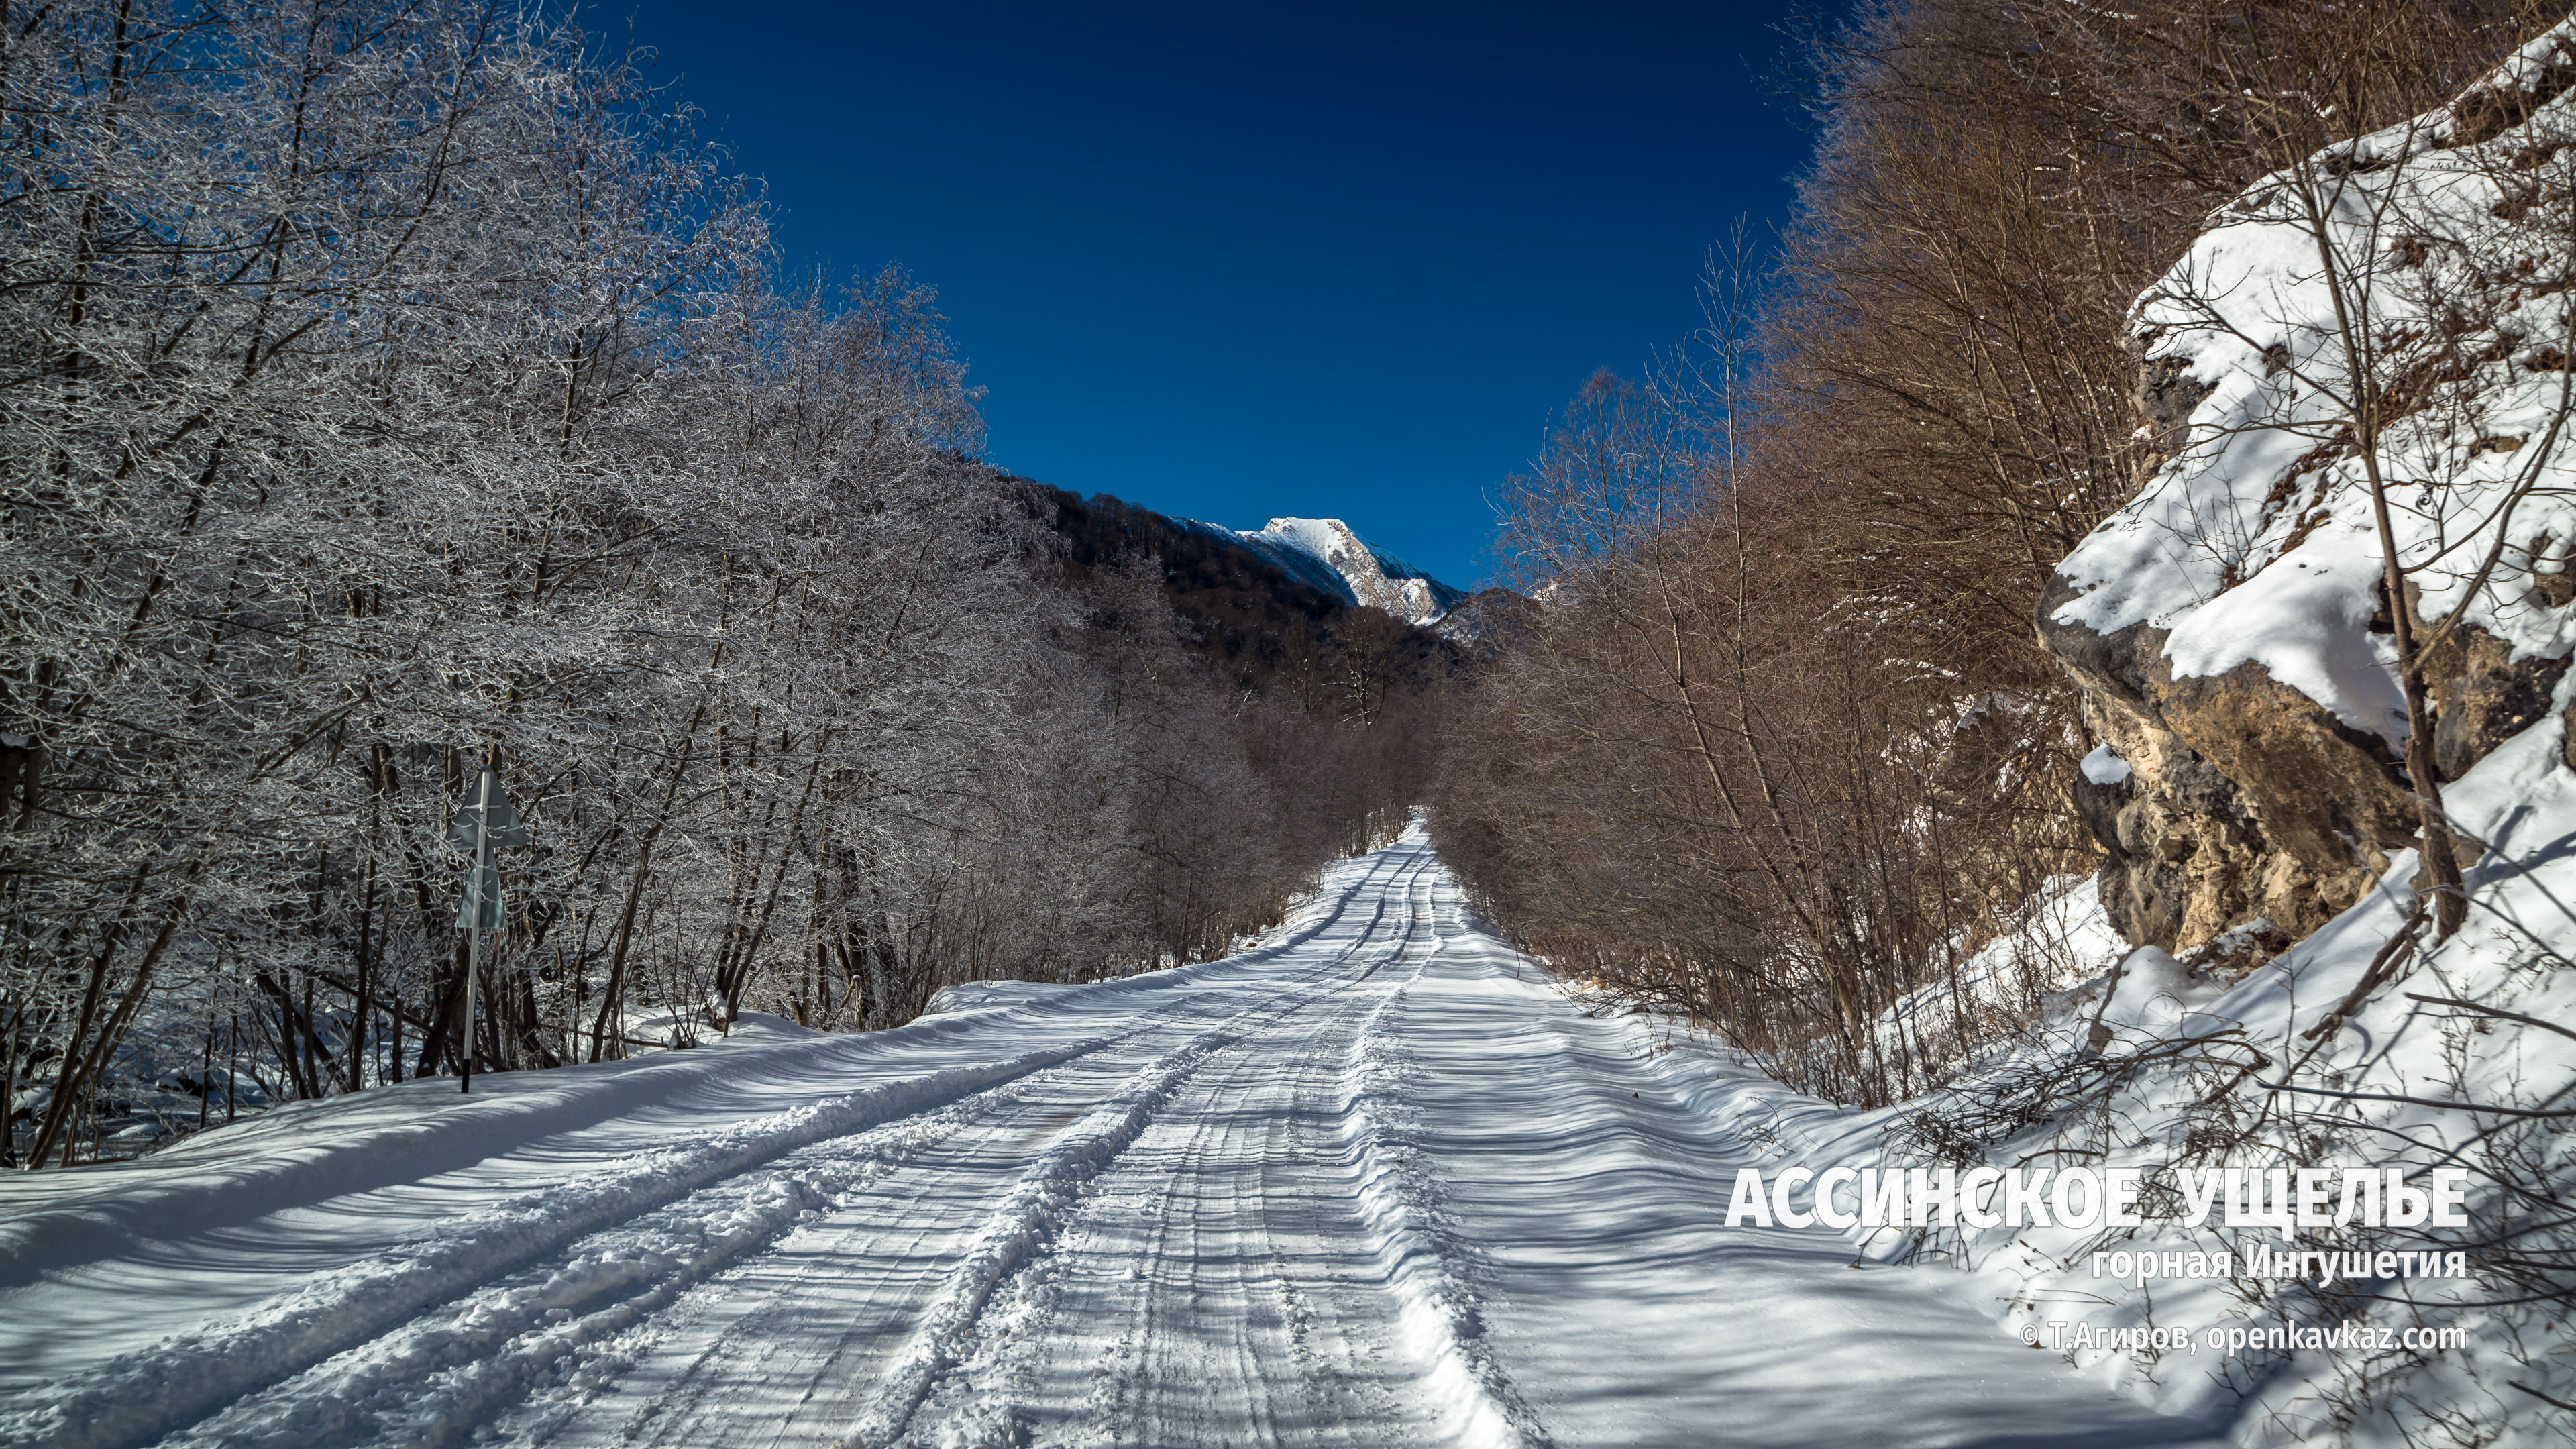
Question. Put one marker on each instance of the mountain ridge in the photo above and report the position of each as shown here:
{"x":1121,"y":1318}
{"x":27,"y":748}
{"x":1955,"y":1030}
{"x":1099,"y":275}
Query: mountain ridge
{"x":1328,"y":554}
{"x":1265,"y":624}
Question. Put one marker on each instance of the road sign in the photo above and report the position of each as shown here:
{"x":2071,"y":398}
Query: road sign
{"x":505,"y":831}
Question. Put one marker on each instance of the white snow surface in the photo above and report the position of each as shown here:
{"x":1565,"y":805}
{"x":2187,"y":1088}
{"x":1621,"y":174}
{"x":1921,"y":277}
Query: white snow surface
{"x":1327,"y":554}
{"x":1371,"y":1182}
{"x":2256,"y":542}
{"x":2521,"y":801}
{"x":2104,"y":767}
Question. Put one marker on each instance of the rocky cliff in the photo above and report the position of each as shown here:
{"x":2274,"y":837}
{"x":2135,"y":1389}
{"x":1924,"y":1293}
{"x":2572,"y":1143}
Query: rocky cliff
{"x":1255,"y":620}
{"x":1326,"y":553}
{"x":2397,"y":304}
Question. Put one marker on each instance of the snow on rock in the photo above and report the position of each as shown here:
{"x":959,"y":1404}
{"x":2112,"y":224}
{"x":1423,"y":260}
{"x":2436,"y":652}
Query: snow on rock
{"x":2103,"y":767}
{"x":2198,"y":1110}
{"x":2286,"y":1005}
{"x":2255,"y":542}
{"x":1325,"y":553}
{"x":2229,"y":626}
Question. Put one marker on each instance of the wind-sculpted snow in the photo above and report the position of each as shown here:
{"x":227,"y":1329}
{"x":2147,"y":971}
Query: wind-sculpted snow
{"x":1372,"y":1182}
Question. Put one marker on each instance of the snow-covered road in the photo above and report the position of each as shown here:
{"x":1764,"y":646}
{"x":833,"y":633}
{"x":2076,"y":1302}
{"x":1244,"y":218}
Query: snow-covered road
{"x":1372,"y":1183}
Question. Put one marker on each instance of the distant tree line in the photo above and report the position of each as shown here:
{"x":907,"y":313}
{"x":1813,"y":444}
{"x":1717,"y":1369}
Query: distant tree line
{"x":386,"y":381}
{"x":1780,"y":750}
{"x":1346,"y":701}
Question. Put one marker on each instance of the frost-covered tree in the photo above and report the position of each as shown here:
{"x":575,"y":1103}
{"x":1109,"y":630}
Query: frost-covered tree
{"x":386,"y":381}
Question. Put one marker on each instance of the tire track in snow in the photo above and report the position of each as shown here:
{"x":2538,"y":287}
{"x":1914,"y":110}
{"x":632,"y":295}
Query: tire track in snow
{"x":449,"y":1330}
{"x":715,"y":1345}
{"x":1037,"y":1210}
{"x":1141,"y":1394}
{"x":142,"y":1396}
{"x":1439,"y":1309}
{"x":1027,"y":1217}
{"x":1213,"y":1219}
{"x":1164,"y":1406}
{"x":437,"y":1378}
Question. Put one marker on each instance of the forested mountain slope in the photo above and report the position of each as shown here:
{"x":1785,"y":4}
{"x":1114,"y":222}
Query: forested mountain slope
{"x":1268,"y":625}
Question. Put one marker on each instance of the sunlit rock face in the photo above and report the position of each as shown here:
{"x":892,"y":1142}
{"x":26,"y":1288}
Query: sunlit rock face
{"x":2241,"y":798}
{"x":1325,"y":552}
{"x":2230,"y":629}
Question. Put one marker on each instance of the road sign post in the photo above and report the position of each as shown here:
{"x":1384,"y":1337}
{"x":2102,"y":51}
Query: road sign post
{"x":482,"y":826}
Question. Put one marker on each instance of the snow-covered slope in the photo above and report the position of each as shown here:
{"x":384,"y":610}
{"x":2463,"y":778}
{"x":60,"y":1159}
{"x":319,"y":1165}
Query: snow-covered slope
{"x":2399,"y":304}
{"x":2396,"y":307}
{"x":2403,"y":1080}
{"x":1325,"y":553}
{"x":1373,"y":1183}
{"x":2448,"y":296}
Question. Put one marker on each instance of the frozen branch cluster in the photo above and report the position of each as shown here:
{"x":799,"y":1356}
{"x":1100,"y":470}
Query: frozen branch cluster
{"x":384,"y":381}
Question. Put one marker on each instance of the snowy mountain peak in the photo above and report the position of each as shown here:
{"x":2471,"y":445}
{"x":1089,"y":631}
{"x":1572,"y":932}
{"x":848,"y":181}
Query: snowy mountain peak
{"x":1325,"y":552}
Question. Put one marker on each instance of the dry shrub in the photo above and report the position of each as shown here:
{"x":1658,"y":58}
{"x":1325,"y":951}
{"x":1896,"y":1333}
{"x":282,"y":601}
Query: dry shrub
{"x":1781,"y":748}
{"x":1706,"y":780}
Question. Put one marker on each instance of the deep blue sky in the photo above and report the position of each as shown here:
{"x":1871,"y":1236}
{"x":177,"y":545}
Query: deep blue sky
{"x":1233,"y":262}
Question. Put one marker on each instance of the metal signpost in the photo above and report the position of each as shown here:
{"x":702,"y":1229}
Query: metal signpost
{"x":484,"y":824}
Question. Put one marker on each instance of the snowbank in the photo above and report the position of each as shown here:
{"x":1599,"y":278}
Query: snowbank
{"x":2207,"y":1114}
